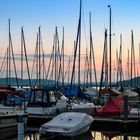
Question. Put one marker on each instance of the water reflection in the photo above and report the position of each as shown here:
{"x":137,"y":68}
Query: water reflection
{"x":91,"y":135}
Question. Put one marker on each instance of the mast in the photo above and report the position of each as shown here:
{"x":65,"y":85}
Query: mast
{"x":78,"y":39}
{"x":86,"y":71}
{"x":10,"y":53}
{"x":110,"y":44}
{"x":90,"y":59}
{"x":8,"y":74}
{"x":104,"y":63}
{"x":139,"y":54}
{"x":117,"y":66}
{"x":36,"y":56}
{"x":22,"y":53}
{"x":79,"y":44}
{"x":63,"y":58}
{"x":55,"y":56}
{"x":24,"y":47}
{"x":120,"y":60}
{"x":128,"y":68}
{"x":39,"y":58}
{"x":132,"y":58}
{"x":139,"y":66}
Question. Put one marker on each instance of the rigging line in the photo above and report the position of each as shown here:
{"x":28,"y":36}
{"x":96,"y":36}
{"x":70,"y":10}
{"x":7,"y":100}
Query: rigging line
{"x":103,"y":60}
{"x":14,"y":61}
{"x":60,"y":67}
{"x":34,"y":59}
{"x":26,"y":58}
{"x":85,"y":68}
{"x":44,"y":66}
{"x":51,"y":74}
{"x":92,"y":51}
{"x":66,"y":72}
{"x":33,"y":65}
{"x":75,"y":51}
{"x":50,"y":59}
{"x":53,"y":62}
{"x":3,"y":62}
{"x":117,"y":66}
{"x":84,"y":26}
{"x":42,"y":50}
{"x":94,"y":63}
{"x":2,"y":73}
{"x":112,"y":22}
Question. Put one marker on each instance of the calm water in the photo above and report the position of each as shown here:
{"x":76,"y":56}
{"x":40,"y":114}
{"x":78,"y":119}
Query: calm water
{"x":91,"y":135}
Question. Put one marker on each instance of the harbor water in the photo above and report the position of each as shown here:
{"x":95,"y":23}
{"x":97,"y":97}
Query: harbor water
{"x":90,"y":135}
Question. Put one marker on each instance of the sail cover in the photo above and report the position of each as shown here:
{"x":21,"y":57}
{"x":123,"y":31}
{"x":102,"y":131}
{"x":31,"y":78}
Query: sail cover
{"x":114,"y":107}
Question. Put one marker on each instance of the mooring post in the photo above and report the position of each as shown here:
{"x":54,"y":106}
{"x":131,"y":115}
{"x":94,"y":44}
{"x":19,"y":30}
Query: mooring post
{"x":20,"y":127}
{"x":125,"y":107}
{"x":125,"y":137}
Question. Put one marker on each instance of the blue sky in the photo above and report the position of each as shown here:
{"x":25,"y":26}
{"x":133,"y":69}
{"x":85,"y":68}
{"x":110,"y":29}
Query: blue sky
{"x":50,"y":13}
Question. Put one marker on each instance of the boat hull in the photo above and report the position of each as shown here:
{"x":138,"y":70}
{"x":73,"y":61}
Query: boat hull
{"x":68,"y":124}
{"x":75,"y":133}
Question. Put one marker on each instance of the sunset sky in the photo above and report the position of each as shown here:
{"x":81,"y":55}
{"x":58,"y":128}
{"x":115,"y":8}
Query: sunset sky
{"x":65,"y":13}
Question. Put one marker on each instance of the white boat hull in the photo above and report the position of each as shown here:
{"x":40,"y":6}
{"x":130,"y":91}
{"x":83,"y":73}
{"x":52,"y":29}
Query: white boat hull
{"x":75,"y":133}
{"x":68,"y":124}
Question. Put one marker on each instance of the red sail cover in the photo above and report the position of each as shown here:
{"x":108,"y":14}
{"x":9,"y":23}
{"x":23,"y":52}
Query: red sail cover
{"x":114,"y":107}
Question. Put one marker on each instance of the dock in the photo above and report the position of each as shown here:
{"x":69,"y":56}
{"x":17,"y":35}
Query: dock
{"x":132,"y":124}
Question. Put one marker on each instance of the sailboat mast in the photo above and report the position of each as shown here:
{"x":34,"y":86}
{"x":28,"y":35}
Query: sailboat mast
{"x":120,"y":59}
{"x":22,"y":53}
{"x":79,"y":43}
{"x":36,"y":57}
{"x":39,"y":63}
{"x":117,"y":66}
{"x":139,"y":55}
{"x":110,"y":44}
{"x":92,"y":57}
{"x":9,"y":57}
{"x":90,"y":50}
{"x":24,"y":47}
{"x":55,"y":56}
{"x":131,"y":68}
{"x":63,"y":59}
{"x":104,"y":63}
{"x":128,"y":67}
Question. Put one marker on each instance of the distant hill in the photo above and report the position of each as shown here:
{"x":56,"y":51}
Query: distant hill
{"x":25,"y":82}
{"x":134,"y":82}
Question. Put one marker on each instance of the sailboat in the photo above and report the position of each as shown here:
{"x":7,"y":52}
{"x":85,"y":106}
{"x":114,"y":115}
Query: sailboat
{"x":81,"y":102}
{"x":88,"y":90}
{"x":43,"y":102}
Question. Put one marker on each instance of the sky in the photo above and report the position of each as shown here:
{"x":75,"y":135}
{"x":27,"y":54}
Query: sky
{"x":65,"y":13}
